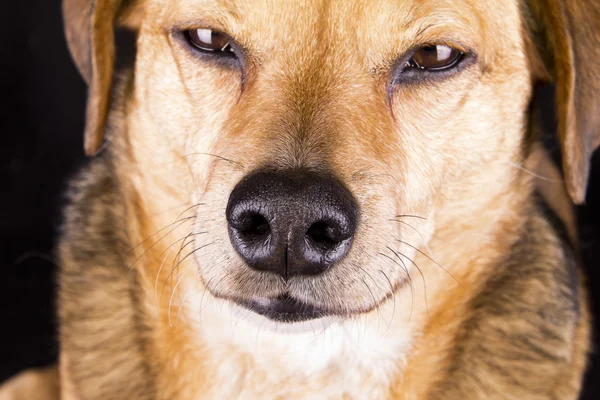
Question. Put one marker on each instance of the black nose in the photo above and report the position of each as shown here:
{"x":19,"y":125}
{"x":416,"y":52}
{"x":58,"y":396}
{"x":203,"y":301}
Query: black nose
{"x":291,"y":224}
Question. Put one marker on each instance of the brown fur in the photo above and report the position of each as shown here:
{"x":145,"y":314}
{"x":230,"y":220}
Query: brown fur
{"x":454,"y":250}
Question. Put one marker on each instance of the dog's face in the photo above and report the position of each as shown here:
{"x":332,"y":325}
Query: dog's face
{"x":332,"y":89}
{"x":323,"y":144}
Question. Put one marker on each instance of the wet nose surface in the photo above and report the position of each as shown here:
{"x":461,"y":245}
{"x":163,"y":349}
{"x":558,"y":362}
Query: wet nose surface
{"x":291,"y":224}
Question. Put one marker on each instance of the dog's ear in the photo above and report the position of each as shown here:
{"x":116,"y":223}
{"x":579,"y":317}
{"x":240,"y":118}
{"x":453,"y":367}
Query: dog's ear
{"x":89,"y":28}
{"x":567,"y":37}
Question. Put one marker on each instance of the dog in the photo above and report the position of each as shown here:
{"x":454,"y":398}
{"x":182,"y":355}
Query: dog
{"x":327,"y":199}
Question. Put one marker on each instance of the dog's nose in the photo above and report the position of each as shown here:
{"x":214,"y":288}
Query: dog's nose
{"x":291,"y":224}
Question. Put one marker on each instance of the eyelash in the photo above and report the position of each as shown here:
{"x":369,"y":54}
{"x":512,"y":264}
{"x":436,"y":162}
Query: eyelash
{"x":232,"y":55}
{"x":412,"y":64}
{"x":404,"y":73}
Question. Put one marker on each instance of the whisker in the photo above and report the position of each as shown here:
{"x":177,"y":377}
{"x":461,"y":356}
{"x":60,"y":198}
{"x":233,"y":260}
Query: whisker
{"x":184,"y":244}
{"x":410,"y":282}
{"x":393,"y":301}
{"x":409,"y":216}
{"x":181,"y":247}
{"x":202,"y":301}
{"x":185,"y":295}
{"x":217,"y":156}
{"x":169,"y":276}
{"x":179,"y":222}
{"x":170,"y":209}
{"x":166,"y":227}
{"x":373,"y":296}
{"x":171,"y":299}
{"x":398,"y":254}
{"x":316,"y":334}
{"x":167,"y":250}
{"x":431,"y":259}
{"x":423,"y":241}
{"x":528,"y":171}
{"x":195,"y":250}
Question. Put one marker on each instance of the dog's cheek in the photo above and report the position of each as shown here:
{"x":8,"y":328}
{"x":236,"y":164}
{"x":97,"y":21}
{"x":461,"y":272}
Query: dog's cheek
{"x":465,"y":140}
{"x":182,"y":103}
{"x":491,"y":146}
{"x":432,"y":136}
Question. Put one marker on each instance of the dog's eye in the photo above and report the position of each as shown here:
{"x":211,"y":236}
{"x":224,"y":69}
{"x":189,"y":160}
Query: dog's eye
{"x":209,"y":41}
{"x":435,"y":58}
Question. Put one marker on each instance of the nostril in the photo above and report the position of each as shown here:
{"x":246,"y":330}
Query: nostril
{"x":253,"y":226}
{"x":292,"y":223}
{"x":324,"y":234}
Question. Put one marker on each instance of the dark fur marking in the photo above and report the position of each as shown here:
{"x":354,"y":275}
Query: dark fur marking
{"x":519,"y":333}
{"x":98,"y":306}
{"x":571,"y":252}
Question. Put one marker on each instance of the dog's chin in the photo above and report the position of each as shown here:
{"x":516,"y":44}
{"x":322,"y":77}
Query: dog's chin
{"x":287,"y":313}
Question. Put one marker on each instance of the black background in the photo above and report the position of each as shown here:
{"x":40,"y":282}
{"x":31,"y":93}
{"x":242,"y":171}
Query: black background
{"x":41,"y":120}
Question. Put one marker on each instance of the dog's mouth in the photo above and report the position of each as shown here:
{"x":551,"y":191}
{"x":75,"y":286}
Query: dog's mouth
{"x":284,"y":308}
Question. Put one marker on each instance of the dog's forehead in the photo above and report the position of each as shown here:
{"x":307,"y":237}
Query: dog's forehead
{"x":383,"y":26}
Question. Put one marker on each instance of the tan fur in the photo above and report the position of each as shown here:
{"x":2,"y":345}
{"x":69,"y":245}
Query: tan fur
{"x":41,"y":384}
{"x":458,"y":280}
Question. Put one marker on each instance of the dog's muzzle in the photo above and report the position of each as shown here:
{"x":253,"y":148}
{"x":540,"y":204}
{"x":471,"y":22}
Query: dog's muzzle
{"x":293,"y":225}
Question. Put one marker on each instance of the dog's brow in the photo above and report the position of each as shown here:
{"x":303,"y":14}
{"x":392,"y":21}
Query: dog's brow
{"x":194,"y":10}
{"x":424,"y":20}
{"x":229,"y":6}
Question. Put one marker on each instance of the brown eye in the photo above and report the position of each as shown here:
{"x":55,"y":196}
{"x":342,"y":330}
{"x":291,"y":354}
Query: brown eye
{"x":209,"y":41}
{"x":435,"y":58}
